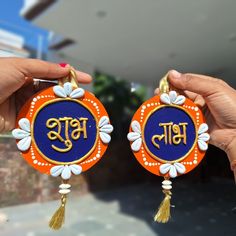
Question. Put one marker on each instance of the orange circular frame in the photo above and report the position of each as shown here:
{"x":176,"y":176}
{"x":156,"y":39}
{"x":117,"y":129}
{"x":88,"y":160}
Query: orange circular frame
{"x":32,"y":155}
{"x":144,"y":157}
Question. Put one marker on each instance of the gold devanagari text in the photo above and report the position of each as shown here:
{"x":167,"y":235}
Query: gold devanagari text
{"x":172,"y":134}
{"x":64,"y":124}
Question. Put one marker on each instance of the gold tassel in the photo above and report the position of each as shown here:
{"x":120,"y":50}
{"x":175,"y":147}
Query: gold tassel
{"x":58,"y":218}
{"x":163,"y":213}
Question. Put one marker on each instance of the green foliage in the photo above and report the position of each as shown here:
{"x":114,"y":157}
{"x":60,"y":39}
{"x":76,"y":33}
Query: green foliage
{"x":120,"y":102}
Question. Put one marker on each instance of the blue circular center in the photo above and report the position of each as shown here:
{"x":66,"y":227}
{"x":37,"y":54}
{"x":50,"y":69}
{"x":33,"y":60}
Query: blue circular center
{"x":169,"y":133}
{"x":64,"y":131}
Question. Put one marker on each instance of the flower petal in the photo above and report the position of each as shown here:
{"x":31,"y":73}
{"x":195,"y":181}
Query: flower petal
{"x":75,"y":169}
{"x":107,"y":128}
{"x":24,"y":144}
{"x":19,"y":133}
{"x":180,"y":100}
{"x":172,"y":95}
{"x":133,"y":136}
{"x":24,"y":124}
{"x":77,"y":93}
{"x":203,"y":146}
{"x":103,"y":121}
{"x":66,"y":173}
{"x":136,"y":126}
{"x":173,"y":172}
{"x":67,"y":88}
{"x":136,"y":145}
{"x":180,"y":168}
{"x":165,"y":98}
{"x":204,"y":136}
{"x":106,"y":138}
{"x":164,"y":168}
{"x":55,"y":171}
{"x":59,"y":91}
{"x":202,"y":128}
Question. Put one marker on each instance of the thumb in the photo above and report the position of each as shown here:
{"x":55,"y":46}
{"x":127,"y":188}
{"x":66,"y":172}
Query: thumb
{"x":200,"y":84}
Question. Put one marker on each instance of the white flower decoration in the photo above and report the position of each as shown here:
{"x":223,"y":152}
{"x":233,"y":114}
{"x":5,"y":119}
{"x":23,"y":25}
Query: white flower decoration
{"x":135,"y":136}
{"x":203,"y":137}
{"x":172,"y":98}
{"x":67,"y":91}
{"x":65,"y":171}
{"x":173,"y":169}
{"x":105,"y":128}
{"x":23,"y":134}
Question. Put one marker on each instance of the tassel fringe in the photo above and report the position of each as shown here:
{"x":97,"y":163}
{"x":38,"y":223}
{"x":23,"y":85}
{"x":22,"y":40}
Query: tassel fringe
{"x":58,"y":218}
{"x":163,"y":213}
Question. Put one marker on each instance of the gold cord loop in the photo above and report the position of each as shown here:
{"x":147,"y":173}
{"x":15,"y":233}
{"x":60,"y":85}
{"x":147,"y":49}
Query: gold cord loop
{"x":71,"y":77}
{"x":164,"y":84}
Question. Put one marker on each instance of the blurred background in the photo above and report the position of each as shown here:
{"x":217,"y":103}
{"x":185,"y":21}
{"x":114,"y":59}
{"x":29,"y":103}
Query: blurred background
{"x":127,"y":46}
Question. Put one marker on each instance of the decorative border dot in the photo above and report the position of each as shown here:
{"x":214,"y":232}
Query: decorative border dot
{"x":144,"y":107}
{"x":35,"y":100}
{"x":94,"y":158}
{"x":35,"y":161}
{"x":94,"y":104}
{"x":145,"y":161}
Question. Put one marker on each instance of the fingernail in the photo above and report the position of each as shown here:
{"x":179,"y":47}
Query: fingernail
{"x":63,"y":64}
{"x":175,"y":74}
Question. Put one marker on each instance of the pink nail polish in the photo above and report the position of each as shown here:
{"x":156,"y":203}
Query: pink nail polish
{"x":63,"y":64}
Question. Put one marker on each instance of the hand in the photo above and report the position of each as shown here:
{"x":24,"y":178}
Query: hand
{"x":218,"y":101}
{"x":16,"y":84}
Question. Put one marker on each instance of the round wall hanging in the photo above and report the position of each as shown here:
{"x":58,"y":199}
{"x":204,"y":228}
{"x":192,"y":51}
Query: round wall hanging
{"x":62,"y":131}
{"x":168,"y":136}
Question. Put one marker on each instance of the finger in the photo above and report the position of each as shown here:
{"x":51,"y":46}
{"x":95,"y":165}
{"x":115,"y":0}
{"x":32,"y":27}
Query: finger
{"x":190,"y":95}
{"x":196,"y":98}
{"x":83,"y":78}
{"x":222,"y":82}
{"x":157,"y":91}
{"x":203,"y":85}
{"x":40,"y":69}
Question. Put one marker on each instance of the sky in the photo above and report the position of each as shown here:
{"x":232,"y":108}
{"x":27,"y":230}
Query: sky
{"x":11,"y":20}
